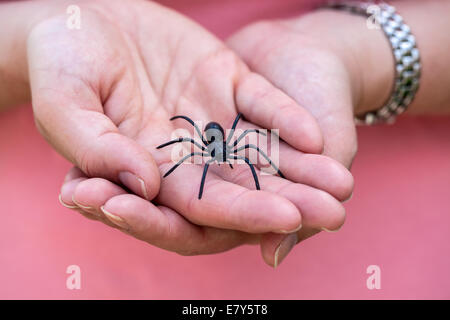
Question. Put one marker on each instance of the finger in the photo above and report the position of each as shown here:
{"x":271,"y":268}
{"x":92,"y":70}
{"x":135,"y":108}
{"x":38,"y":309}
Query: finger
{"x":164,"y":228}
{"x":317,"y":171}
{"x":77,"y":182}
{"x":265,"y":105}
{"x":68,"y":189}
{"x":318,"y":208}
{"x":93,"y":193}
{"x":187,"y":239}
{"x":88,"y":196}
{"x":306,"y":233}
{"x":73,"y":178}
{"x":80,"y":211}
{"x":275,"y":247}
{"x":91,"y":142}
{"x":73,"y":174}
{"x":225,"y":204}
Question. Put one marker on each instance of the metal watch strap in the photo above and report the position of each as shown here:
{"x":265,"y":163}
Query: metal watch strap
{"x":406,"y":55}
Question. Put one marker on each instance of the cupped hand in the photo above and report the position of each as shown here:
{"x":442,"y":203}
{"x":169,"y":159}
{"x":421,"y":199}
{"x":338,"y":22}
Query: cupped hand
{"x":309,"y":62}
{"x":103,"y":96}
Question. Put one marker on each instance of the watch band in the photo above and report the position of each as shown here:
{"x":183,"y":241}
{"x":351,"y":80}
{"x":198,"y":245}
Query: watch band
{"x":406,"y":56}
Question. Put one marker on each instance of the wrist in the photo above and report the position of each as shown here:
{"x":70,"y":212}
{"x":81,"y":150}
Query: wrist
{"x":374,"y":63}
{"x":368,"y":56}
{"x":365,"y":53}
{"x":13,"y":70}
{"x":17,"y":19}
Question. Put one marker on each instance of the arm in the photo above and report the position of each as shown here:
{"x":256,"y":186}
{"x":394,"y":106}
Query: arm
{"x":14,"y":87}
{"x":373,"y":73}
{"x":429,"y":21}
{"x":16,"y":21}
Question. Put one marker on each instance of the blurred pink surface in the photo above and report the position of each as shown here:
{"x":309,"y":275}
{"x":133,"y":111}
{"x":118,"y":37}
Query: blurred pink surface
{"x":399,"y":219}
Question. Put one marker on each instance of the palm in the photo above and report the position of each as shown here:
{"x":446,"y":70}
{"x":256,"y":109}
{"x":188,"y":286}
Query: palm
{"x":292,"y":55}
{"x":134,"y":79}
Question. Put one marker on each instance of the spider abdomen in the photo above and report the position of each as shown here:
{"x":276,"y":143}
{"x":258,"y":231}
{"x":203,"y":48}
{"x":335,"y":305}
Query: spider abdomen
{"x":214,"y":132}
{"x":217,"y":151}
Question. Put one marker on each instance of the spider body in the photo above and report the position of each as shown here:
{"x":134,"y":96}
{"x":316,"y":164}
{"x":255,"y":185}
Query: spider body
{"x":218,"y":148}
{"x":216,"y":145}
{"x":218,"y":151}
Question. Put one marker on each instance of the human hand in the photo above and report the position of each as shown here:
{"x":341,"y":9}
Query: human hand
{"x":311,"y":60}
{"x":309,"y":67}
{"x":103,"y":96}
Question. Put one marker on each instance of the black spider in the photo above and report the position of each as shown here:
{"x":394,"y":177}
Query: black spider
{"x":218,"y":149}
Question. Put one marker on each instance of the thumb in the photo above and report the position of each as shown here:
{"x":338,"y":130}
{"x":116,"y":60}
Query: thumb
{"x":91,"y":141}
{"x":75,"y":125}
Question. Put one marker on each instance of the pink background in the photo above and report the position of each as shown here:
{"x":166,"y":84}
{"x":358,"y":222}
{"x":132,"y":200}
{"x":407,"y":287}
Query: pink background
{"x":399,"y":219}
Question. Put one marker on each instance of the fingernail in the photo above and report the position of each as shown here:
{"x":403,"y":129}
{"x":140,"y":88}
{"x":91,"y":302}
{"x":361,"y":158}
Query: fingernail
{"x":284,"y":248}
{"x":88,"y":209}
{"x":290,"y":231}
{"x":133,"y":182}
{"x":331,"y":231}
{"x":118,"y":221}
{"x":65,"y":204}
{"x":80,"y":205}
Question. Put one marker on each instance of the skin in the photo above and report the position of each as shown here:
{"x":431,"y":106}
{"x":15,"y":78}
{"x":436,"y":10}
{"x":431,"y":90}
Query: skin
{"x":103,"y":95}
{"x":335,"y":67}
{"x":310,"y":50}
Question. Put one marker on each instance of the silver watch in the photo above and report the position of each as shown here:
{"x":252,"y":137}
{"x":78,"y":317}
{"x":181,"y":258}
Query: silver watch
{"x":406,"y":56}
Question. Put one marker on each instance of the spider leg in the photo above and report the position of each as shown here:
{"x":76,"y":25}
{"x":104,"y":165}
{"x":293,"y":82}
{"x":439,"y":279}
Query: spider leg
{"x":182,"y":140}
{"x":244,"y":134}
{"x":229,"y":163}
{"x":191,"y":122}
{"x":251,"y":146}
{"x":230,"y":135}
{"x":182,"y":160}
{"x":202,"y":183}
{"x":255,"y":177}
